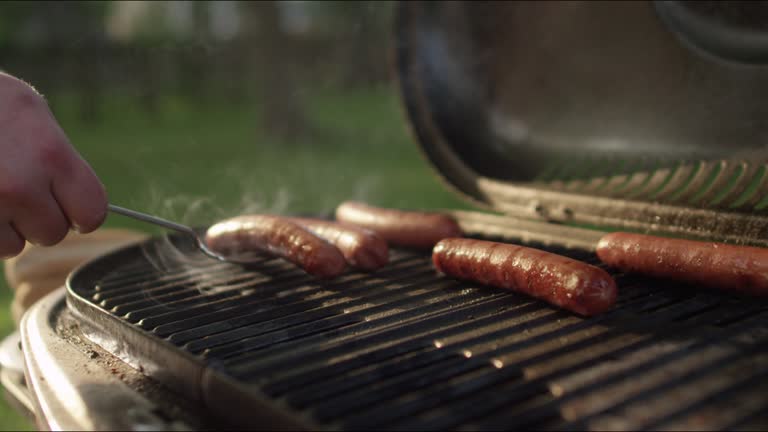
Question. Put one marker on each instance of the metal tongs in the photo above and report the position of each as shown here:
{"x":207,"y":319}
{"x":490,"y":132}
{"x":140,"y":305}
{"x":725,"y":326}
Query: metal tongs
{"x":170,"y":225}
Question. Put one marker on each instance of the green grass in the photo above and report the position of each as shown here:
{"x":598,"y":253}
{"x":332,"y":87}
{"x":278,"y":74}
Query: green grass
{"x":9,"y":419}
{"x":217,"y":158}
{"x":196,"y":163}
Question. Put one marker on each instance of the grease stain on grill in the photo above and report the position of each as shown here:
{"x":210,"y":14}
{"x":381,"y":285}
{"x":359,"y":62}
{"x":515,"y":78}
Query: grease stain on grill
{"x":405,"y":348}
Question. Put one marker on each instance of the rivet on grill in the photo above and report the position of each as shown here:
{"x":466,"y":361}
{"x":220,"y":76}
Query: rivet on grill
{"x":467,"y":353}
{"x":438,"y":344}
{"x":498,"y":364}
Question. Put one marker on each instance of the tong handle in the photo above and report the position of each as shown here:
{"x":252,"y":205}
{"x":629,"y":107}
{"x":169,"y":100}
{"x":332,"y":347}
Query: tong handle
{"x":170,"y":225}
{"x":152,"y":219}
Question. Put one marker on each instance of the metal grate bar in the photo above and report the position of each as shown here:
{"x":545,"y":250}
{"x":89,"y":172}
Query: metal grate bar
{"x":321,"y":298}
{"x":167,"y":292}
{"x":459,"y":387}
{"x":141,"y":292}
{"x":353,"y":371}
{"x":271,"y":293}
{"x":519,"y":358}
{"x":206,"y":293}
{"x":469,"y":387}
{"x":151,"y":275}
{"x":448,"y":363}
{"x":194,"y":290}
{"x":436,"y":299}
{"x":677,"y":396}
{"x":754,"y":416}
{"x":383,"y":346}
{"x":405,"y":382}
{"x":252,"y":362}
{"x":734,"y":400}
{"x":521,"y":362}
{"x":679,"y":385}
{"x":280,"y":355}
{"x":196,"y":296}
{"x":258,"y":323}
{"x":455,"y":364}
{"x":348,"y":381}
{"x":608,"y":386}
{"x":128,"y":270}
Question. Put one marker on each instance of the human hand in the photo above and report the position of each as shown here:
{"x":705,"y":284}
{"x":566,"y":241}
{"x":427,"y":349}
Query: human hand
{"x":46,"y":187}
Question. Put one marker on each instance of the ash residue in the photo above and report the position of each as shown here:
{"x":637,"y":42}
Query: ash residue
{"x":170,"y":406}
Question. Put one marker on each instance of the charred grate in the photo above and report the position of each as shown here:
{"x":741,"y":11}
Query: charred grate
{"x":406,"y":349}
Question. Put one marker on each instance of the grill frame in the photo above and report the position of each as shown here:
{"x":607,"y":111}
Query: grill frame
{"x":253,"y":405}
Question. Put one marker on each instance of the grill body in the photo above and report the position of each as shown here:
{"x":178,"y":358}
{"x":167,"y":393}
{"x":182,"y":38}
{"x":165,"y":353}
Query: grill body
{"x":405,"y":348}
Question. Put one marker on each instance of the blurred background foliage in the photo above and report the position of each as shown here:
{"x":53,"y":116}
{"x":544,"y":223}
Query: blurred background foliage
{"x":196,"y":49}
{"x":198,"y":110}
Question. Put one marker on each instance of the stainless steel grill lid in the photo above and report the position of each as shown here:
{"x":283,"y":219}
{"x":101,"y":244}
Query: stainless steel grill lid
{"x":404,"y":348}
{"x":597,"y":113}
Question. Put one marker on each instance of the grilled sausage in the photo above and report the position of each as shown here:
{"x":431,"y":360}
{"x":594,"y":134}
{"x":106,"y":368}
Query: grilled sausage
{"x":559,"y":280}
{"x":736,"y":268}
{"x":276,"y":236}
{"x":412,"y":229}
{"x":362,"y":248}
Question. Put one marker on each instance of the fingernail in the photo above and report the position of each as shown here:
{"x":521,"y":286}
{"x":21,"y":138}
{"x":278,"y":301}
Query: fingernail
{"x":77,"y":228}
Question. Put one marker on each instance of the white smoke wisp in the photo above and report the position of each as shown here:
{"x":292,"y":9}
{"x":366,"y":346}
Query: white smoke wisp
{"x":255,"y":202}
{"x":178,"y":256}
{"x":249,"y":192}
{"x":170,"y":253}
{"x":366,"y":188}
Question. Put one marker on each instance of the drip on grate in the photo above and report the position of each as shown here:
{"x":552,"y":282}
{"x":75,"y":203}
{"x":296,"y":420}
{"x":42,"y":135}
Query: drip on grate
{"x":404,"y":348}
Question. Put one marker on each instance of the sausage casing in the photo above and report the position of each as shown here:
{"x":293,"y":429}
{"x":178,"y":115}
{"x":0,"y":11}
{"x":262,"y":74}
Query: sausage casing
{"x":741,"y":269}
{"x":420,"y":230}
{"x":559,"y":280}
{"x":362,"y":248}
{"x":277,"y":236}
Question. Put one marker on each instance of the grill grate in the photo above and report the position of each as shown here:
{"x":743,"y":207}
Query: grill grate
{"x":406,"y":349}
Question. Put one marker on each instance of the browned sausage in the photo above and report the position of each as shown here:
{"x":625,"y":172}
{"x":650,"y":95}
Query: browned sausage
{"x":559,"y":280}
{"x":361,"y":248}
{"x":277,"y":236}
{"x":737,"y":268}
{"x":403,"y":228}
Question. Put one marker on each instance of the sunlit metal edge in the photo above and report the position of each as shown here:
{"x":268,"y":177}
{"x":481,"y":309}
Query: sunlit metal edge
{"x":16,"y":392}
{"x":69,"y":390}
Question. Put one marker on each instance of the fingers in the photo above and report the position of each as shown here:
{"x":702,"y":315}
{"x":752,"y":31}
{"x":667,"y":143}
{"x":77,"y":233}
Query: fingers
{"x":40,"y":220}
{"x":75,"y":186}
{"x":11,"y":243}
{"x":31,"y":211}
{"x":82,"y":197}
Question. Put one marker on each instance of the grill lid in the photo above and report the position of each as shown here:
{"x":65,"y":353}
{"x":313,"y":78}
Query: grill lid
{"x":597,"y":113}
